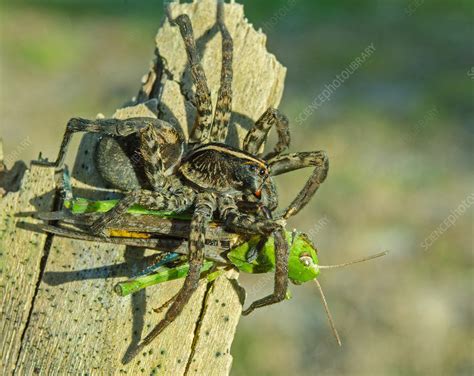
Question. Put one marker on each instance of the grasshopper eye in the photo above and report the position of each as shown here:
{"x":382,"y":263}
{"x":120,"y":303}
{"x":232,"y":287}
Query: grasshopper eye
{"x":306,"y":260}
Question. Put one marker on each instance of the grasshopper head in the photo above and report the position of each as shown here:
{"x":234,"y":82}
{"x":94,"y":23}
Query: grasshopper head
{"x":253,"y":257}
{"x":303,"y":259}
{"x":303,"y":263}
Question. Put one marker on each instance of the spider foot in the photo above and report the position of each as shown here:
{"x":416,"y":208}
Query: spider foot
{"x":164,"y":306}
{"x":248,"y":311}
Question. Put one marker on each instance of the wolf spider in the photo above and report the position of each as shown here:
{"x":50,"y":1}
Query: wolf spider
{"x":211,"y":179}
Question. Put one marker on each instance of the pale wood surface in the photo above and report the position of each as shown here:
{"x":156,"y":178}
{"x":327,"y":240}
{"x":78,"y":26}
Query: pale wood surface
{"x":62,"y":317}
{"x":21,"y":253}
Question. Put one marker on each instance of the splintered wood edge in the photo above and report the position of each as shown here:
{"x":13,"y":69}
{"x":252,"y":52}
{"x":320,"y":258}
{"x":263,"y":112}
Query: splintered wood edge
{"x":50,"y":326}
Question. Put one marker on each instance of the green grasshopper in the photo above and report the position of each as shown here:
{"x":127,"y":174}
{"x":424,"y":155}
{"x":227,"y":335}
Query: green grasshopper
{"x":250,"y":255}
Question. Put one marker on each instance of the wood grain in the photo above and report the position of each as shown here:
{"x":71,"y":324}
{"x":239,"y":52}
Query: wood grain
{"x":21,"y":253}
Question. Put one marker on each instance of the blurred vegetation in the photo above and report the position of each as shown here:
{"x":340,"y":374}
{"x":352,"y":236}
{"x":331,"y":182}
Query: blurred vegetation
{"x":396,"y":173}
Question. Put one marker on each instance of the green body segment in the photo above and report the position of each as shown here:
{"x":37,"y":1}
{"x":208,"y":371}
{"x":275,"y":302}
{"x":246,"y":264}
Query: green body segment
{"x":134,"y":285}
{"x":82,"y":206}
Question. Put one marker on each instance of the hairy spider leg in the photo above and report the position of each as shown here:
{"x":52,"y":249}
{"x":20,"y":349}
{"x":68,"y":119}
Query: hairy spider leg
{"x":202,"y":126}
{"x":236,"y":221}
{"x":205,"y":205}
{"x":168,"y":199}
{"x":281,"y":273}
{"x":223,"y":109}
{"x":257,"y":135}
{"x":243,"y":223}
{"x":109,"y":127}
{"x":150,"y":151}
{"x":289,"y":162}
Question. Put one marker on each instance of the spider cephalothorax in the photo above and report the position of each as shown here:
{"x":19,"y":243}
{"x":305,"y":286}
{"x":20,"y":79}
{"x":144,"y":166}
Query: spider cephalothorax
{"x":220,"y":168}
{"x":207,"y":178}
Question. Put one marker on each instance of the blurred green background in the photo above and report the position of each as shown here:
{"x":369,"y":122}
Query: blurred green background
{"x":399,"y":133}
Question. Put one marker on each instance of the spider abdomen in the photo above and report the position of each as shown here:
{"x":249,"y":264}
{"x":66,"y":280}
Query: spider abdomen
{"x":122,"y":161}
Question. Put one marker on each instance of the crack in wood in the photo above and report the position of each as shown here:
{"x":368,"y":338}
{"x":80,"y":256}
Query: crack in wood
{"x":57,"y":199}
{"x":197,"y":329}
{"x":42,"y":267}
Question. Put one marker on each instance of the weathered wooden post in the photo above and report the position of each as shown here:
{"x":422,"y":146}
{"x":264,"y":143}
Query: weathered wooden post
{"x":59,"y":312}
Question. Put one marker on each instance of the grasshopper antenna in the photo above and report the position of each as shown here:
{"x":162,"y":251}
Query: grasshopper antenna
{"x":328,"y":313}
{"x":323,"y":298}
{"x":353,"y":262}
